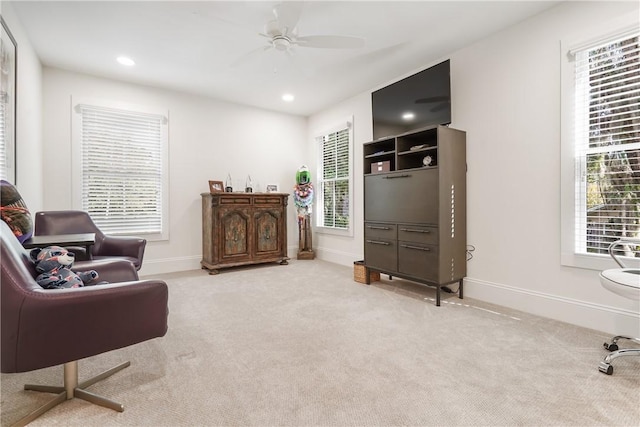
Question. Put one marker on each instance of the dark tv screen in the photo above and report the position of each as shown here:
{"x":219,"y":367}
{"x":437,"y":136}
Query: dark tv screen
{"x":425,"y":95}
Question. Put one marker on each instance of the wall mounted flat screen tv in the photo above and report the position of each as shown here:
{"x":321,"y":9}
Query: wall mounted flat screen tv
{"x":420,"y":100}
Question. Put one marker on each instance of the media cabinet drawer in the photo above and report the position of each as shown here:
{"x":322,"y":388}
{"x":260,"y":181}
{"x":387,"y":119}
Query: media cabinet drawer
{"x":381,"y":254}
{"x":418,"y":260}
{"x":384,"y":231}
{"x":418,"y":234}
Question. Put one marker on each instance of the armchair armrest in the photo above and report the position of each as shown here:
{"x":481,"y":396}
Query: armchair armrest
{"x":62,"y":325}
{"x":109,"y":270}
{"x":121,"y":246}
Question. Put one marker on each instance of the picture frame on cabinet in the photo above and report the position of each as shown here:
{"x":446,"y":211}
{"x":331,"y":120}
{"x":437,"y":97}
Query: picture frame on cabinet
{"x":216,"y":186}
{"x":272,"y":188}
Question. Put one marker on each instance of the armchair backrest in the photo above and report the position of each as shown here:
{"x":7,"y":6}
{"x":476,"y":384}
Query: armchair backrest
{"x":65,"y":222}
{"x":18,"y":281}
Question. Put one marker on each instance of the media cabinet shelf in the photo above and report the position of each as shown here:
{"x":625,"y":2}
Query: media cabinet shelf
{"x":380,"y":154}
{"x":419,"y":150}
{"x":415,"y":213}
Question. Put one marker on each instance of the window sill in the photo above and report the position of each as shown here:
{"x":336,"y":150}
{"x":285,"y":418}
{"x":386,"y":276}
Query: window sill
{"x":334,"y":231}
{"x":150,"y":237}
{"x":595,"y":261}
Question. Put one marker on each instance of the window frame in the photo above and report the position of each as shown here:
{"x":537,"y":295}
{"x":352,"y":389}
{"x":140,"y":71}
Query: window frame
{"x":77,"y":162}
{"x":570,"y":166}
{"x":8,"y":143}
{"x":319,"y":215}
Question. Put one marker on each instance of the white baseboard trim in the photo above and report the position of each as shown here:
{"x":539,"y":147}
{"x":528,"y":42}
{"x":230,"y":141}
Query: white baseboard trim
{"x":170,"y":265}
{"x":611,"y":320}
{"x":337,"y":257}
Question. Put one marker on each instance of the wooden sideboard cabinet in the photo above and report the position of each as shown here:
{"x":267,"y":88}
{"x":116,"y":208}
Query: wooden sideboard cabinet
{"x":243,"y":228}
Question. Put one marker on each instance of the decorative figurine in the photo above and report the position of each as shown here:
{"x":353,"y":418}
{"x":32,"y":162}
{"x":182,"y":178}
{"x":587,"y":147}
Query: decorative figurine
{"x":303,"y":200}
{"x":228,"y":185}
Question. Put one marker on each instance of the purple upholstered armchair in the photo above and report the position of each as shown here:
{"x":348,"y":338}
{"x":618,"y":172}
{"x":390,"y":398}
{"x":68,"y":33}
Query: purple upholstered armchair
{"x":49,"y":223}
{"x":33,"y":337}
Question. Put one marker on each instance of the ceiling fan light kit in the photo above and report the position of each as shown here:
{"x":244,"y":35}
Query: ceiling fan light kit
{"x":281,"y":43}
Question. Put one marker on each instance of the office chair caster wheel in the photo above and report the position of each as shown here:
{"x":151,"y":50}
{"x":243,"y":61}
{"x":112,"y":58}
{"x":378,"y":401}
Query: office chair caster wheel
{"x":605,"y":368}
{"x":611,"y":347}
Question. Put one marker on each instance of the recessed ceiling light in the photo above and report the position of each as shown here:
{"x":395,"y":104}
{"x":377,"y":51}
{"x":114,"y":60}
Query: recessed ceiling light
{"x":287,"y":97}
{"x":408,"y":116}
{"x":126,"y":61}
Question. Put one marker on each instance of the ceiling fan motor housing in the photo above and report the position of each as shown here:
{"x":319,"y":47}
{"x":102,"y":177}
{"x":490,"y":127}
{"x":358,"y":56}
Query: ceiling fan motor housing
{"x":281,"y":42}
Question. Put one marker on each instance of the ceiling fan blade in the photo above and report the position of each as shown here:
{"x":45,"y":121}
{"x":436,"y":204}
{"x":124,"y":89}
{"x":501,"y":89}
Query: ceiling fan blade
{"x":288,"y":14}
{"x":432,"y":99}
{"x":330,"y":42}
{"x":248,"y":56}
{"x":439,"y":107}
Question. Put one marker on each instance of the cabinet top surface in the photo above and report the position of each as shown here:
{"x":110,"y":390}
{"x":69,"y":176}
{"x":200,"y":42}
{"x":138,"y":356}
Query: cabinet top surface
{"x":242,"y":193}
{"x":412,"y":132}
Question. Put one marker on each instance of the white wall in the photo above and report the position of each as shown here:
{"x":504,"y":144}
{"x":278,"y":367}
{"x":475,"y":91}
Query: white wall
{"x":506,"y":96}
{"x":28,"y":115}
{"x":207,"y":140}
{"x":343,"y":249}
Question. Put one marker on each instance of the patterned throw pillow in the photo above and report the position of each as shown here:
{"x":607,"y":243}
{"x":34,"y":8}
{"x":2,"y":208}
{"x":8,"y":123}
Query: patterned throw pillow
{"x":14,"y":211}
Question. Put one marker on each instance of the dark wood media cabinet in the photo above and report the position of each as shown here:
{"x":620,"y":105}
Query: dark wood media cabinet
{"x":243,"y":228}
{"x":415,"y":207}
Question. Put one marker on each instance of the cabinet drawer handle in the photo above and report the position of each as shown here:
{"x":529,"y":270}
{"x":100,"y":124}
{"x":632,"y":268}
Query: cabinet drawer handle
{"x":415,"y":230}
{"x":404,"y":175}
{"x":377,"y":242}
{"x":378,"y":227}
{"x":420,"y":248}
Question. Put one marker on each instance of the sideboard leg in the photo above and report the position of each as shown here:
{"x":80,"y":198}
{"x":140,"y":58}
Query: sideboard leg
{"x":438,"y":296}
{"x":460,"y":293}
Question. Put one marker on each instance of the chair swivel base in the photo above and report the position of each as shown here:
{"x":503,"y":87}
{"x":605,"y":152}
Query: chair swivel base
{"x":605,"y":366}
{"x":72,"y":389}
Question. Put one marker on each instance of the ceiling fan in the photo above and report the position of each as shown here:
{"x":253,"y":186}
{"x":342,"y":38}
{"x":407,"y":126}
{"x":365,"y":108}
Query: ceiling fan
{"x":282,"y":35}
{"x":441,"y":102}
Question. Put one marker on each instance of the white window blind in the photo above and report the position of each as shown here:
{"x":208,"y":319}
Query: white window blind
{"x":122,"y":167}
{"x":607,"y":143}
{"x":334,"y":196}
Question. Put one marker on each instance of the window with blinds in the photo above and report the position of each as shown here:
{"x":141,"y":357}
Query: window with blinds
{"x":123,"y":160}
{"x":607,"y":144}
{"x":334,"y":189}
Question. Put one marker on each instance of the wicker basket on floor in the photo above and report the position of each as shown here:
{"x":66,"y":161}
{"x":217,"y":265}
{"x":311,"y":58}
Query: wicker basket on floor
{"x":360,"y":273}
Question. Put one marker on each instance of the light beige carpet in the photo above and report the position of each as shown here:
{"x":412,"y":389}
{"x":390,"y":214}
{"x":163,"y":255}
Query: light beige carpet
{"x":305,"y":345}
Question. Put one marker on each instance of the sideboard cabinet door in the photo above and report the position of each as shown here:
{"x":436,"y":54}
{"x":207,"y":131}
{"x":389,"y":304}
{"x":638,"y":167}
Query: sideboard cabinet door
{"x":234,"y":229}
{"x":268,"y":231}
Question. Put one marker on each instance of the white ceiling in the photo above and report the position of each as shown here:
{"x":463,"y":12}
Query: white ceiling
{"x":203,"y":47}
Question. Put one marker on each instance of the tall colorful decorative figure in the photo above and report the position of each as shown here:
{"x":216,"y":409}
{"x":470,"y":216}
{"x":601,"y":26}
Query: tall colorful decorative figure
{"x":303,"y":200}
